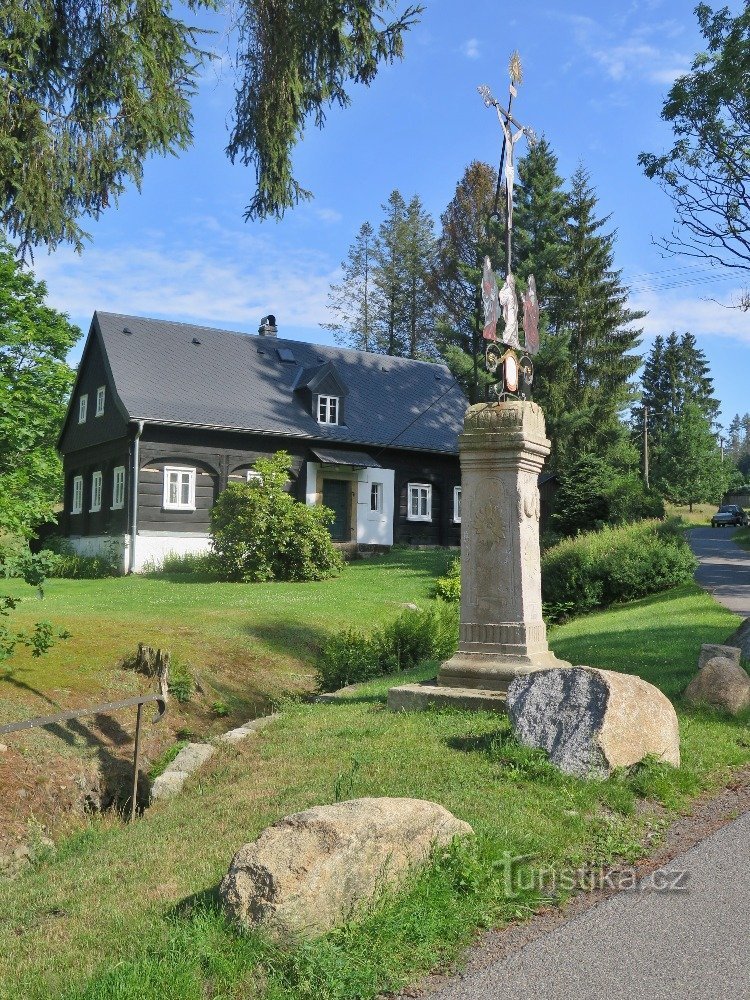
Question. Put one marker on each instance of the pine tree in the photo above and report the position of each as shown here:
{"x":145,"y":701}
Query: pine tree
{"x":390,"y":279}
{"x":353,"y":301}
{"x":468,"y":233}
{"x":418,"y":255}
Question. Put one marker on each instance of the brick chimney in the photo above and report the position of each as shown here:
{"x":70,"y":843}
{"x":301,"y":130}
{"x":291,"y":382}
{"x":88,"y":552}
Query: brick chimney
{"x":268,"y":327}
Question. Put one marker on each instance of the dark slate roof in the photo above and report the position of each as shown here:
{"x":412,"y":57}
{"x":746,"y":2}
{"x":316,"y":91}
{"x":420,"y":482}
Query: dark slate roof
{"x":357,"y":459}
{"x":238,"y":381}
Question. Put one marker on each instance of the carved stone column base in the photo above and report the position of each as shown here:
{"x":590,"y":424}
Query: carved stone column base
{"x":493,"y":671}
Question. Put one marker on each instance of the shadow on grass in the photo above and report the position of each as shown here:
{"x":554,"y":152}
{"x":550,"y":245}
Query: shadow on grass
{"x":289,"y":637}
{"x":473,"y":744}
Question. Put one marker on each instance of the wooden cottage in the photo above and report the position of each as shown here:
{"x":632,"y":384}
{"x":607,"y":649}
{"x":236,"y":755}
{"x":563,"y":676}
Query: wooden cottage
{"x":164,"y":415}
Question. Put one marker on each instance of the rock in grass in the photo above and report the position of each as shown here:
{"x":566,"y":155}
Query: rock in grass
{"x":592,"y":721}
{"x":709,"y":650}
{"x":723,"y":684}
{"x":741,"y":637}
{"x":310,"y":871}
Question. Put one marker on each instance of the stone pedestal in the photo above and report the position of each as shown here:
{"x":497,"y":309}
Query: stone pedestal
{"x":502,"y":633}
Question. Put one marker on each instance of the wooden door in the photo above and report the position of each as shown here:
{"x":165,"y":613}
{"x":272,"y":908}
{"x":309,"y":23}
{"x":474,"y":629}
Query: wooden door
{"x":336,"y":495}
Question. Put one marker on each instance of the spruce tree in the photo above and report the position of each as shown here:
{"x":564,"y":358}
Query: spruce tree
{"x":417,"y":237}
{"x":390,"y":279}
{"x":594,"y":378}
{"x":353,"y":301}
{"x":676,"y":374}
{"x":539,"y":219}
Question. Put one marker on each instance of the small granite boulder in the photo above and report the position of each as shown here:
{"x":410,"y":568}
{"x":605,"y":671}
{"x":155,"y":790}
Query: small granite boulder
{"x":592,"y":721}
{"x":721,"y":683}
{"x":709,"y":650}
{"x":311,"y":870}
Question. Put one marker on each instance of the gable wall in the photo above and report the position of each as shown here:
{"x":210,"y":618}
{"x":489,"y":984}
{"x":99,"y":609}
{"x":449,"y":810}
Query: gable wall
{"x":96,"y":430}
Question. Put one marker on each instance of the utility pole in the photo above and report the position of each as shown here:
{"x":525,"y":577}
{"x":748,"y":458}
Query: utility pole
{"x":645,"y":446}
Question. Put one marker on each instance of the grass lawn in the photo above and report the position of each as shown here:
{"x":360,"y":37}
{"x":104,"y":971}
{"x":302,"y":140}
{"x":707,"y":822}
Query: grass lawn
{"x":249,"y":642}
{"x":700,"y":514}
{"x":741,"y":537}
{"x":125,"y":912}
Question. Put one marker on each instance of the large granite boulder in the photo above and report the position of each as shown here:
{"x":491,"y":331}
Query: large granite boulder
{"x":310,"y":871}
{"x":721,"y":683}
{"x":592,"y":721}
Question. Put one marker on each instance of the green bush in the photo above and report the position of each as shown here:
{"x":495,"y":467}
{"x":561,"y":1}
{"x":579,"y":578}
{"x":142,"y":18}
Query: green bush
{"x":594,"y":494}
{"x":187,"y":563}
{"x":414,"y":636}
{"x":604,"y":567}
{"x":260,"y":532}
{"x":448,"y":587}
{"x":600,"y":568}
{"x":69,"y":565}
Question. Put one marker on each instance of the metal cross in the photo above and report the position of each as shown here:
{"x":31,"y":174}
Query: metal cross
{"x":510,"y":138}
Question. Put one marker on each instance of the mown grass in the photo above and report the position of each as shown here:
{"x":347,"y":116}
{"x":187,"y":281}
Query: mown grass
{"x":130,"y":913}
{"x":255,"y":641}
{"x":700,"y":514}
{"x":741,"y":537}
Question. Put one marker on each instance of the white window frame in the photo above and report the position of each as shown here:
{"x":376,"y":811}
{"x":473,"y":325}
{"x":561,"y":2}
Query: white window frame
{"x":118,"y":487}
{"x":83,"y":407}
{"x":96,"y":492}
{"x":328,"y":409}
{"x":180,"y":470}
{"x":76,"y":501}
{"x":376,"y":492}
{"x":101,"y":395}
{"x":417,"y":488}
{"x":456,"y":504}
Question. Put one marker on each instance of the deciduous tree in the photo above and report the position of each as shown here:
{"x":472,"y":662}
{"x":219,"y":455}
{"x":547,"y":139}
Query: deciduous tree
{"x":34,"y":385}
{"x":705,"y":172}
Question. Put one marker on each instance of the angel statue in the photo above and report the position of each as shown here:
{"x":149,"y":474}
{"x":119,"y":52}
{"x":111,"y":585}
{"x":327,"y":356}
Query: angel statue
{"x":508,"y":299}
{"x":531,"y":317}
{"x":490,"y":301}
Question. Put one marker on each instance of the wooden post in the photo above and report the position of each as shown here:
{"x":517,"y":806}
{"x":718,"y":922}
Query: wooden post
{"x":136,"y":757}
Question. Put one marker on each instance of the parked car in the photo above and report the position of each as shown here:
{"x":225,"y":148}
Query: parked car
{"x":729,"y":514}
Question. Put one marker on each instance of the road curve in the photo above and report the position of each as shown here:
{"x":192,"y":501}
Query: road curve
{"x":724,"y":569}
{"x":641,"y":945}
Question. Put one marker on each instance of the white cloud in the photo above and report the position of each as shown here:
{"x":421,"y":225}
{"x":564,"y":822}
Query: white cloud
{"x":233,"y":280}
{"x":633,"y":52}
{"x":696,"y":314}
{"x":328,"y":215}
{"x":470,"y":48}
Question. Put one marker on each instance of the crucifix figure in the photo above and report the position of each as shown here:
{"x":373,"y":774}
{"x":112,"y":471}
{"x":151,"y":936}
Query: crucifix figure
{"x":507,"y":124}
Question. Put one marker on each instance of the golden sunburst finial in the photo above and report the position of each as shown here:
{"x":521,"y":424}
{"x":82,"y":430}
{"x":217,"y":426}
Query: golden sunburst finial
{"x":515,"y":69}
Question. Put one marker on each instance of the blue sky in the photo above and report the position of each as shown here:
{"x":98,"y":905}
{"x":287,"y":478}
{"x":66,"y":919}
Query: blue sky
{"x":595,"y":76}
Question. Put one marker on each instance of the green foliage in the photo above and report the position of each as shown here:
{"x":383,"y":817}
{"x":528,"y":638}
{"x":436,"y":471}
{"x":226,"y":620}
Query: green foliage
{"x":90,"y":90}
{"x":705,"y":171}
{"x":34,"y":385}
{"x":69,"y":565}
{"x":605,"y":567}
{"x":691,"y":470}
{"x":198,"y":564}
{"x":33,"y":567}
{"x":448,"y":587}
{"x":593,"y":494}
{"x":261,"y":533}
{"x":468,"y":233}
{"x":296,"y":61}
{"x":161,"y":763}
{"x":350,"y":657}
{"x":181,"y":685}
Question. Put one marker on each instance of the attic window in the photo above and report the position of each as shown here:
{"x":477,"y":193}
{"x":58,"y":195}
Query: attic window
{"x":328,"y":409}
{"x":83,"y":405}
{"x":286,"y":354}
{"x":101,"y":395}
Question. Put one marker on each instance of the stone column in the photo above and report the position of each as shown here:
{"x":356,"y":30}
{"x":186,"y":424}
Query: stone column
{"x":502,"y":634}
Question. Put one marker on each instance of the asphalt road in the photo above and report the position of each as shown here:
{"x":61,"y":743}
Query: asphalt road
{"x":654,"y":945}
{"x":724,"y":569}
